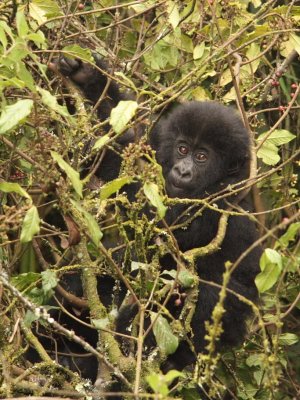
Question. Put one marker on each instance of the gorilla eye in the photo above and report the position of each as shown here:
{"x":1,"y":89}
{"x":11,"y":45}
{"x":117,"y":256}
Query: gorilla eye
{"x":201,"y":157}
{"x":183,"y":150}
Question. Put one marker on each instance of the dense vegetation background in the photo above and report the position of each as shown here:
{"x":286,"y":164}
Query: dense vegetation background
{"x":241,"y":53}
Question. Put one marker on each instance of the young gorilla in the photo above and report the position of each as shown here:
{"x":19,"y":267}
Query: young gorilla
{"x":203,"y":148}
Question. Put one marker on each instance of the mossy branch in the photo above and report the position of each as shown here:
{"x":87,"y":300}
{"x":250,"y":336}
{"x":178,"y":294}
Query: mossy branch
{"x":193,"y":254}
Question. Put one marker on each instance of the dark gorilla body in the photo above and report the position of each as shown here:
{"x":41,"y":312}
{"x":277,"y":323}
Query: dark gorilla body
{"x":202,"y":147}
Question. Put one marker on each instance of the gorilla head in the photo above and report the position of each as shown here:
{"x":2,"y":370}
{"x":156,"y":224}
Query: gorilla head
{"x":202,"y":147}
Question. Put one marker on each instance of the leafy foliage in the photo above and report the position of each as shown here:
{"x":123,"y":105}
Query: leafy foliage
{"x":243,"y":53}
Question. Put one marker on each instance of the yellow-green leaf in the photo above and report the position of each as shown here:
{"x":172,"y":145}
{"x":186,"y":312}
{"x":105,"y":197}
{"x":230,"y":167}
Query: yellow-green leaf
{"x":75,"y":51}
{"x":71,"y":173}
{"x":42,"y":10}
{"x":271,"y":266}
{"x":295,"y":40}
{"x":101,"y":142}
{"x":9,"y":187}
{"x":173,"y":14}
{"x":268,"y":153}
{"x":13,"y":114}
{"x":152,"y":193}
{"x":31,"y":225}
{"x":165,"y":339}
{"x":91,"y":224}
{"x":21,"y":23}
{"x":113,"y":186}
{"x":198,"y":51}
{"x":122,"y":114}
{"x":50,"y":101}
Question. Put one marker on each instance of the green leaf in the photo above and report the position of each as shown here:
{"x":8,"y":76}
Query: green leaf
{"x":29,"y":318}
{"x":198,"y":51}
{"x":162,"y":56}
{"x":7,"y":29}
{"x":75,"y":51}
{"x":71,"y":173}
{"x":15,"y":82}
{"x":91,"y":224}
{"x":25,"y":76}
{"x":277,"y":137}
{"x":139,"y":7}
{"x":255,"y":359}
{"x":271,"y":266}
{"x":113,"y":186}
{"x":200,"y":94}
{"x":268,"y":153}
{"x":226,"y":77}
{"x":173,"y":13}
{"x":160,"y":383}
{"x":122,"y":114}
{"x":157,"y":384}
{"x":288,"y":339}
{"x":270,"y":256}
{"x":186,"y":279}
{"x":137,"y":266}
{"x":288,"y":236}
{"x":252,"y":53}
{"x":42,"y":10}
{"x":93,"y":227}
{"x":13,"y":114}
{"x":101,"y":142}
{"x":295,"y":39}
{"x":269,"y":150}
{"x":28,"y":259}
{"x":49,"y":281}
{"x":23,"y":281}
{"x":256,"y":3}
{"x":3,"y":38}
{"x":31,"y":225}
{"x":171,"y":375}
{"x":165,"y":339}
{"x":152,"y":193}
{"x":50,"y":101}
{"x":178,"y":40}
{"x":8,"y":187}
{"x":38,"y":38}
{"x":16,"y":53}
{"x":22,"y":25}
{"x":39,"y":297}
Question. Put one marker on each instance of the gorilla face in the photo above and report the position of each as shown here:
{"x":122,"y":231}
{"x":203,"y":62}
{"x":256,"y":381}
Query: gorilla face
{"x":202,"y":147}
{"x":194,"y":168}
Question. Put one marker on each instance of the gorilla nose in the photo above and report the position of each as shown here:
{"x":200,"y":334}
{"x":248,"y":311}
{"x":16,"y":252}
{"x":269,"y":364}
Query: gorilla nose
{"x":182,"y":174}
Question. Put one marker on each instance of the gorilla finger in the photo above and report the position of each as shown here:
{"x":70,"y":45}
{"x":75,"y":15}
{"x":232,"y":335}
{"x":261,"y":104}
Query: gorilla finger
{"x":67,"y":66}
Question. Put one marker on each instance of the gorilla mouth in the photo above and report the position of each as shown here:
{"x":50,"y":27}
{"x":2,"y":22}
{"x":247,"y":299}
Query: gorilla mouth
{"x":174,"y":189}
